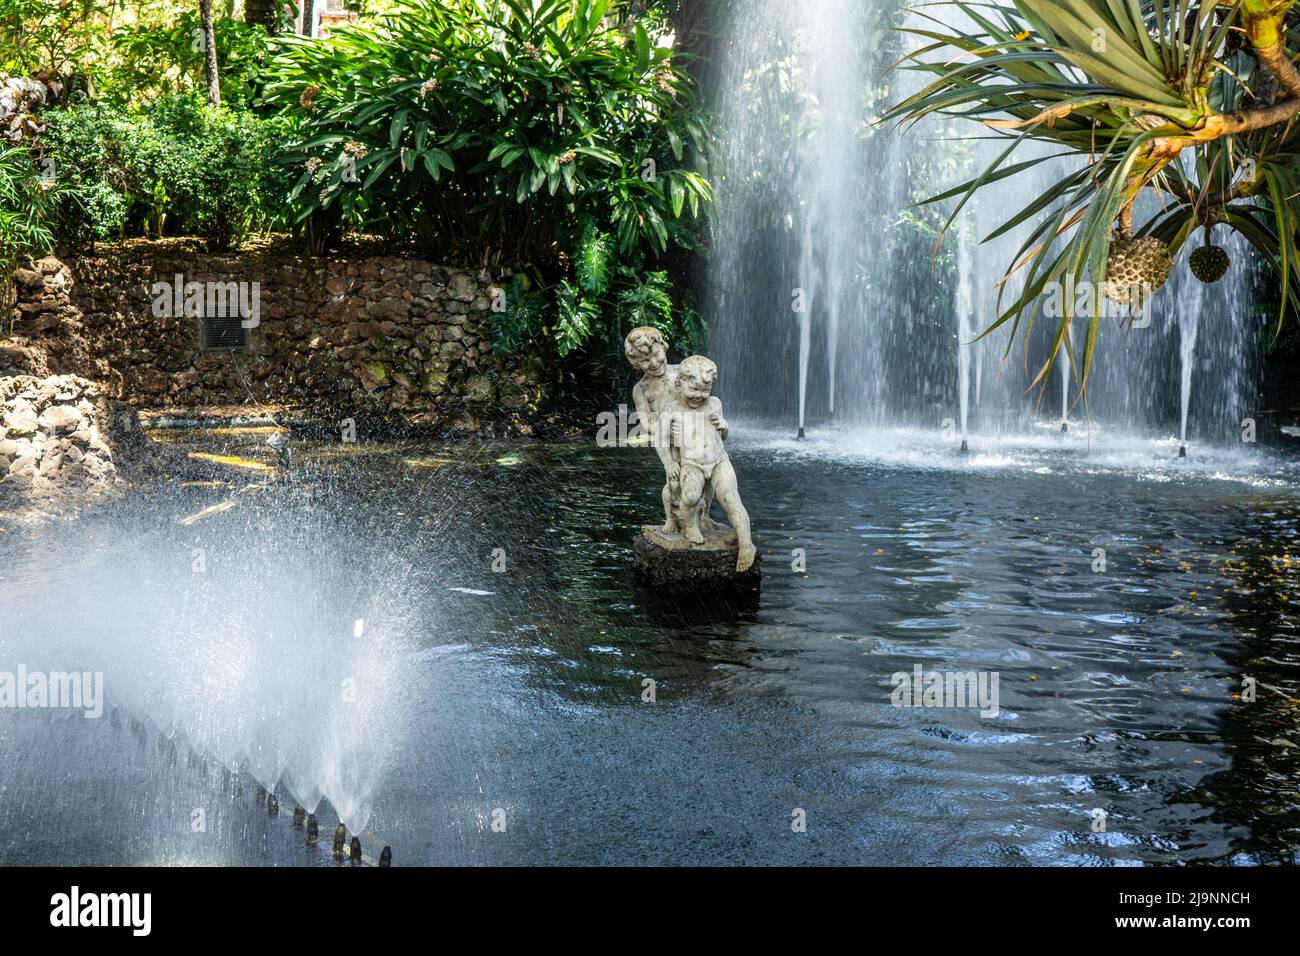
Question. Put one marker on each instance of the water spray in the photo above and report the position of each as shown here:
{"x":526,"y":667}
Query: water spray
{"x":354,"y":851}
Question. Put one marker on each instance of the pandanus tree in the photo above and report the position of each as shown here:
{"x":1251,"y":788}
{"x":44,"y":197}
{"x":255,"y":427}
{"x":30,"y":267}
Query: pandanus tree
{"x":1190,"y":103}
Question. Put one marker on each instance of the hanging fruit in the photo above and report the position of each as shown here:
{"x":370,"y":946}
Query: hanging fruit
{"x":1209,"y":262}
{"x":1136,"y":269}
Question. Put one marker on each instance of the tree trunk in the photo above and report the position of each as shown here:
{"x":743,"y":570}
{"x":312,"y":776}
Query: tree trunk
{"x":263,"y":12}
{"x":210,"y":52}
{"x":308,"y":15}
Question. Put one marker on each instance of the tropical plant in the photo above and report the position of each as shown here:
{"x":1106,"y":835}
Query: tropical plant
{"x":504,"y":133}
{"x":57,"y":38}
{"x":129,"y":51}
{"x":147,"y":62}
{"x":24,"y":214}
{"x":1189,"y":103}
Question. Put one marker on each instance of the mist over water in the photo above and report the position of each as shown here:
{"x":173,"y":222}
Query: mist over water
{"x":238,"y":639}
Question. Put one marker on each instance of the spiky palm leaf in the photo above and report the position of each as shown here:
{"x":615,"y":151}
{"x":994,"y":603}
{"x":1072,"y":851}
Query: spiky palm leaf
{"x":1125,"y":86}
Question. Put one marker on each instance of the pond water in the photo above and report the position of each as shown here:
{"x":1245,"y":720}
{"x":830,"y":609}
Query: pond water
{"x":343,"y":630}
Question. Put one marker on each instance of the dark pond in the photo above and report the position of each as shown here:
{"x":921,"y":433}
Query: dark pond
{"x":343,"y":630}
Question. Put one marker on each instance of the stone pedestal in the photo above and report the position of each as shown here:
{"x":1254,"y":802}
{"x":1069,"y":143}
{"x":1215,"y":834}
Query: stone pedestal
{"x":669,"y":560}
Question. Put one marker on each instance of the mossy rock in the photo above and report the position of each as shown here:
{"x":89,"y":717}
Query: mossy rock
{"x":480,"y":388}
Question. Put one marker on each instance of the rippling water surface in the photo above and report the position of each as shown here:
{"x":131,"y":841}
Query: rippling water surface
{"x":517,"y":698}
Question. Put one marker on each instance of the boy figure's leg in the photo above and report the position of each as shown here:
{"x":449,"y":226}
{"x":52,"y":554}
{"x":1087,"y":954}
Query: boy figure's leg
{"x":688,"y":510}
{"x":670,"y":510}
{"x":728,"y":492}
{"x":706,"y":505}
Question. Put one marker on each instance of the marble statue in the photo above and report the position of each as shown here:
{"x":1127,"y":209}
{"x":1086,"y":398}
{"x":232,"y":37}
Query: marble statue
{"x":647,"y":352}
{"x":686,"y":428}
{"x":698,"y":431}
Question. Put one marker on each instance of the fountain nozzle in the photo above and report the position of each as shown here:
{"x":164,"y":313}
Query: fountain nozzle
{"x":965,"y":448}
{"x":800,"y":436}
{"x":280,"y":445}
{"x":272,"y":805}
{"x":1065,"y":427}
{"x":340,"y":837}
{"x":313,"y":831}
{"x":1182,"y":451}
{"x":386,"y":857}
{"x":354,"y":851}
{"x":299,"y":815}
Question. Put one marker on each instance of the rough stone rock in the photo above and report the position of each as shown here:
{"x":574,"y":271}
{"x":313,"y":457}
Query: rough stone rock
{"x":479,"y":388}
{"x":61,"y":418}
{"x":710,"y":567}
{"x":463,"y":287}
{"x":20,"y":419}
{"x":65,"y":444}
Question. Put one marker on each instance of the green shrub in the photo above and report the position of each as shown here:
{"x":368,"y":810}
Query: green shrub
{"x":178,"y":165}
{"x":491,"y":133}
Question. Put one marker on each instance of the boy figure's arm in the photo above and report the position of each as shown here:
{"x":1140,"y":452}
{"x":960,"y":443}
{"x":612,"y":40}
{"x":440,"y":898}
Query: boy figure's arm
{"x":648,"y":422}
{"x":715,"y":416}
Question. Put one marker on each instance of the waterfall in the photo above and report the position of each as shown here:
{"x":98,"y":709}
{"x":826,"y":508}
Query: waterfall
{"x":828,"y":300}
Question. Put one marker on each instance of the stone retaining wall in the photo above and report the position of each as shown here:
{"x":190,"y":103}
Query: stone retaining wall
{"x":397,"y":335}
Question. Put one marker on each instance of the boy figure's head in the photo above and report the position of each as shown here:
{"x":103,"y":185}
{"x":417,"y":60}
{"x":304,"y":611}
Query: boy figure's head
{"x":695,"y":378}
{"x":646,"y":350}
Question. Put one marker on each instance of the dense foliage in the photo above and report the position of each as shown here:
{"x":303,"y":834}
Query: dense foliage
{"x":126,"y":54}
{"x":555,"y":142}
{"x":177,"y":164}
{"x":548,"y":142}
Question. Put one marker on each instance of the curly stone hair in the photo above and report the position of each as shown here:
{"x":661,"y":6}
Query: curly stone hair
{"x":697,"y":366}
{"x":642,"y":339}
